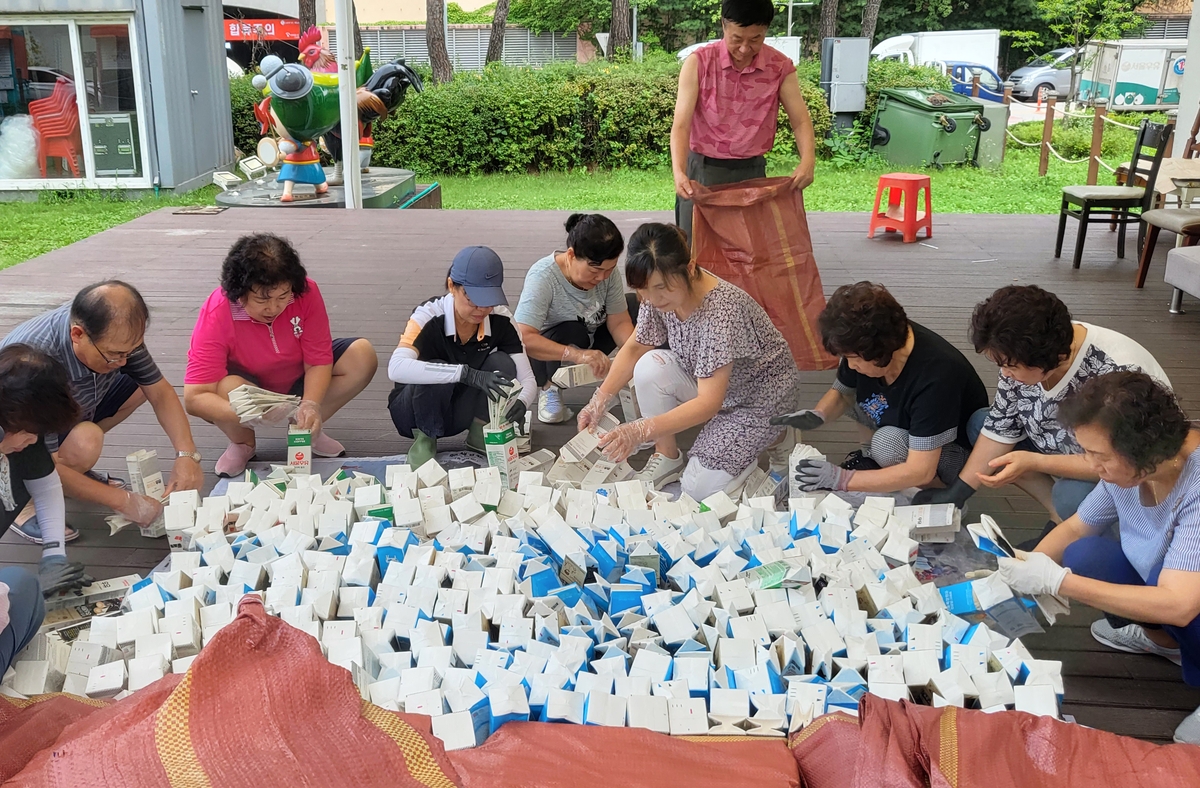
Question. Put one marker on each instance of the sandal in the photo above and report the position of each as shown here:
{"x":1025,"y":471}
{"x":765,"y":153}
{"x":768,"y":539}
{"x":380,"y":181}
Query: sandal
{"x":31,"y":531}
{"x":104,"y":478}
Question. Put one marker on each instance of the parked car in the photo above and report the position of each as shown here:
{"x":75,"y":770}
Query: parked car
{"x":1051,"y":71}
{"x":41,"y":84}
{"x":991,"y":87}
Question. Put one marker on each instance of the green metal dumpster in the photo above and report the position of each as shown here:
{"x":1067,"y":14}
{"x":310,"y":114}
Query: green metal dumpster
{"x":921,"y":127}
{"x":992,"y":140}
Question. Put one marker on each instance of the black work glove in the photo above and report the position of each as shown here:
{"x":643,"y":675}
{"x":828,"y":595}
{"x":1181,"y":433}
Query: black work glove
{"x":516,"y":413}
{"x":57,"y":574}
{"x":493,"y":384}
{"x":801,"y":420}
{"x":957,"y":494}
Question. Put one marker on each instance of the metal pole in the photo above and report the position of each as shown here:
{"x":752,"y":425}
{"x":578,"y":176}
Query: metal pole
{"x":789,"y":18}
{"x":349,"y":106}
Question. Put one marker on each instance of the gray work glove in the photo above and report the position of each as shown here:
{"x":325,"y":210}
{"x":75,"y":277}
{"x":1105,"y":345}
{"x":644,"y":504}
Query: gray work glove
{"x":821,"y":475}
{"x":57,"y":574}
{"x":801,"y":420}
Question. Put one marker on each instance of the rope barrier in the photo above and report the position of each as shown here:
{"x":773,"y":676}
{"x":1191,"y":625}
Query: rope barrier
{"x":1107,"y":119}
{"x":1105,"y":166}
{"x":1019,"y":141}
{"x":1058,"y":156}
{"x":1080,"y":115}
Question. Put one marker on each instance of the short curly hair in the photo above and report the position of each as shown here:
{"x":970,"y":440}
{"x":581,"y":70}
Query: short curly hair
{"x":261,"y":261}
{"x":35,"y":395}
{"x":864,"y":320}
{"x":1142,"y":417}
{"x":1023,"y":324}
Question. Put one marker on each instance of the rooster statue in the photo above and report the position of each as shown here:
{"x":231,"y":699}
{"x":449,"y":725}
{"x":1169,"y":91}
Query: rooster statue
{"x":301,"y":106}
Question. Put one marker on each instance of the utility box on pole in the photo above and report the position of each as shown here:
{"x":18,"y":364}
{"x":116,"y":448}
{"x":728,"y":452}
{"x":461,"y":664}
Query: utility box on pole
{"x":844,"y":77}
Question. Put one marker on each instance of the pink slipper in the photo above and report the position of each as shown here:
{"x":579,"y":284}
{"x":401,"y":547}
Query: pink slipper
{"x":325,"y":446}
{"x":233,"y":461}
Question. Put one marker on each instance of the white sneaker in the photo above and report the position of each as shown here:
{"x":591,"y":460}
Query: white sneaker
{"x":1132,"y":638}
{"x":1188,"y":731}
{"x":550,"y":407}
{"x":661,"y":470}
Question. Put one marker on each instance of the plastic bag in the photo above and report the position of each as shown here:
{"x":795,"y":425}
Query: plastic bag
{"x":755,"y":235}
{"x":18,"y":148}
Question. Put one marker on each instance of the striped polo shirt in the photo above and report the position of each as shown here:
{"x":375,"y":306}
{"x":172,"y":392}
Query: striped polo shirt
{"x":1168,"y":533}
{"x":51,"y":333}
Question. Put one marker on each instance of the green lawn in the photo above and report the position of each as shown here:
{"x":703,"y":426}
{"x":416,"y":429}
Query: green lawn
{"x":1016,"y":188}
{"x":30,"y":229}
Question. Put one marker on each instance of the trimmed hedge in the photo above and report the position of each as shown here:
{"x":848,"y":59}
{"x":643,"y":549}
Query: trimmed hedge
{"x":559,"y":117}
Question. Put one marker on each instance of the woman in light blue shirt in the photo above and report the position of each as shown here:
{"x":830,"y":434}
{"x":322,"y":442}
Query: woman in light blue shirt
{"x":1141,"y":445}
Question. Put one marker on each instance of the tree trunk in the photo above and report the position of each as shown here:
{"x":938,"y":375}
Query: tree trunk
{"x":435,"y":40}
{"x":869,"y":20}
{"x":307,"y":14}
{"x":620,"y":32}
{"x":828,"y":25}
{"x":495,"y":52}
{"x":358,"y":45}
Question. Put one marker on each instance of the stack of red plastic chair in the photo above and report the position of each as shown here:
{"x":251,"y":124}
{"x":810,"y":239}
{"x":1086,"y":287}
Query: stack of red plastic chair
{"x":56,"y":119}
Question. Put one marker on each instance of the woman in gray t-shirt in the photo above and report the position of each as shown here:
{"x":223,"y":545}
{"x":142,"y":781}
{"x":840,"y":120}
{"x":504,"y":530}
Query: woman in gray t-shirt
{"x":573,"y":310}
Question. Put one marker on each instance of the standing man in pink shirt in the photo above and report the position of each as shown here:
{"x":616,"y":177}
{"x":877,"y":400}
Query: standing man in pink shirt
{"x":728,"y":107}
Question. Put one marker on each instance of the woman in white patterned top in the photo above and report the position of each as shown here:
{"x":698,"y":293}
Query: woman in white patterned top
{"x":1145,"y":451}
{"x":726,"y":367}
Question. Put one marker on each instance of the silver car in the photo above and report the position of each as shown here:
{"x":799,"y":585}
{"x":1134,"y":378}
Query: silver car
{"x":1051,"y":71}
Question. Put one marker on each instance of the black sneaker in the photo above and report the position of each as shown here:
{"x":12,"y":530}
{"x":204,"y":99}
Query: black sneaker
{"x":857,"y":461}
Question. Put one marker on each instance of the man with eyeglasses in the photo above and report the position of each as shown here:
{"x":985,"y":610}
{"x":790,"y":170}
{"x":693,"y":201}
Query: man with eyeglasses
{"x":99,"y":338}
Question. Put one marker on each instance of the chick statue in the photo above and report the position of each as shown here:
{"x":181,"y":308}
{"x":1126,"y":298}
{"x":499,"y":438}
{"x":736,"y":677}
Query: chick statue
{"x":299,"y":110}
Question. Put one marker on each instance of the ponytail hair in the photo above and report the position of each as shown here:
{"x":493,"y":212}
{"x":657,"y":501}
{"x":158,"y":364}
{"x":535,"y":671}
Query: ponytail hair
{"x":594,"y":238}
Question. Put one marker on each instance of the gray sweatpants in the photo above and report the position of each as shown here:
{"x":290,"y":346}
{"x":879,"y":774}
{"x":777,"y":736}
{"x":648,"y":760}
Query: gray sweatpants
{"x":708,"y":171}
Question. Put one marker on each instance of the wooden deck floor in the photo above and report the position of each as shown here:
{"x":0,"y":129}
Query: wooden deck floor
{"x":374,"y":266}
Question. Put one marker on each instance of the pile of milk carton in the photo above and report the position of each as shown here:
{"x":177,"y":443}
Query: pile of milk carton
{"x":605,"y":603}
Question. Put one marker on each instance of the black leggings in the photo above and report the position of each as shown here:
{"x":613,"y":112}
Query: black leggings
{"x":442,"y":409}
{"x":575,"y":333}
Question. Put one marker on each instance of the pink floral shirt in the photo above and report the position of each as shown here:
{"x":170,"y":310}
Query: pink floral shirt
{"x":737,"y":111}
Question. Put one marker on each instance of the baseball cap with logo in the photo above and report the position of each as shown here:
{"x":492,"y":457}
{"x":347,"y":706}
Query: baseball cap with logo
{"x":479,"y":270}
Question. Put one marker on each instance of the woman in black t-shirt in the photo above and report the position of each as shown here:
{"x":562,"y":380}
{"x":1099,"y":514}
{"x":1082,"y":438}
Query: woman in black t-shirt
{"x":455,"y":355}
{"x":910,"y":391}
{"x":34,"y":399}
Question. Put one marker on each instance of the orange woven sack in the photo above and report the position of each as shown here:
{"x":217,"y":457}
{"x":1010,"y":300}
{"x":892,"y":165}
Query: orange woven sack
{"x":259,"y":707}
{"x":755,"y":235}
{"x":961,"y":748}
{"x":28,"y":725}
{"x":826,"y":750}
{"x":549,"y":755}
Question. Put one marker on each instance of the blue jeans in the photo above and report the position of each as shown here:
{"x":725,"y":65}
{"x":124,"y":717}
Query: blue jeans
{"x":1103,"y":559}
{"x":25,"y":612}
{"x":1066,"y":494}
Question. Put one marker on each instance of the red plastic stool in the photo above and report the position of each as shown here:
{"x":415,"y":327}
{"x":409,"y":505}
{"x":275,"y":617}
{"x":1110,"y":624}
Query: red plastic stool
{"x":902,"y":216}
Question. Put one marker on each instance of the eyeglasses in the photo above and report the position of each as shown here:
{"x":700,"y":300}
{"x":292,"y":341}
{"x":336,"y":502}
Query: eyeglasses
{"x":118,"y":358}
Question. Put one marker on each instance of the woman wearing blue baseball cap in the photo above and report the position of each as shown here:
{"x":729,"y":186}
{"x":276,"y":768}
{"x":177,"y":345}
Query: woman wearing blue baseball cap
{"x":454,"y":355}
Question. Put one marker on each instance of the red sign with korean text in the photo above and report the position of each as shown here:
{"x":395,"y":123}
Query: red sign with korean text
{"x":262,"y":29}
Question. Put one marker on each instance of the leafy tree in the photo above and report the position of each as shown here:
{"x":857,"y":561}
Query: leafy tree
{"x":560,"y":16}
{"x":495,"y":50}
{"x":1076,"y":22}
{"x":675,"y":24}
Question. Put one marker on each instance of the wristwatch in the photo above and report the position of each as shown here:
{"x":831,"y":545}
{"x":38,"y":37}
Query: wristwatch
{"x":194,"y":455}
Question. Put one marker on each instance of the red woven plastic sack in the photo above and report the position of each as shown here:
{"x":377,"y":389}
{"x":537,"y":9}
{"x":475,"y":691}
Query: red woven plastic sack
{"x":755,"y":235}
{"x":959,"y":748}
{"x":548,"y":755}
{"x":826,"y":750}
{"x":27,"y":726}
{"x":259,"y":707}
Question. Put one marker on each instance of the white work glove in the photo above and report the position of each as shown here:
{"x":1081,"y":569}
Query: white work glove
{"x":139,"y":509}
{"x":1032,"y":573}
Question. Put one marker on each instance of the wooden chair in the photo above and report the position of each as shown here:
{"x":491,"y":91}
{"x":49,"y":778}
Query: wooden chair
{"x":1120,"y":205}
